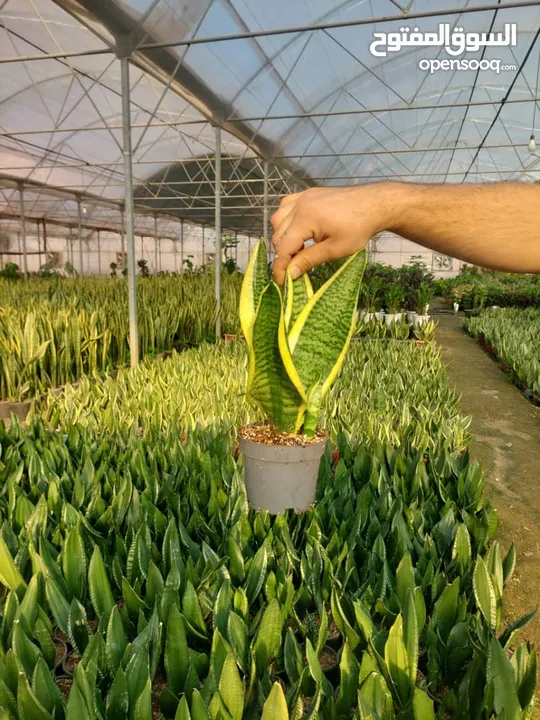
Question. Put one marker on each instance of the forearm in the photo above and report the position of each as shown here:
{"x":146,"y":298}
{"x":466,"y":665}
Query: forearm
{"x":495,"y":226}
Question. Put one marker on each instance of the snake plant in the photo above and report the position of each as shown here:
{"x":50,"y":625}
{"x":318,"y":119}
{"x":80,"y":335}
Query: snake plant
{"x":297,"y":340}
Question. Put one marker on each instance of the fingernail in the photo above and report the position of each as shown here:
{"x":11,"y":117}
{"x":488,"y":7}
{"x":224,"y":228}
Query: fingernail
{"x":295,"y":272}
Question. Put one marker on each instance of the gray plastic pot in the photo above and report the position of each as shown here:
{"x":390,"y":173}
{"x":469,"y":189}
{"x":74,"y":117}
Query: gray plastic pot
{"x":281,"y":477}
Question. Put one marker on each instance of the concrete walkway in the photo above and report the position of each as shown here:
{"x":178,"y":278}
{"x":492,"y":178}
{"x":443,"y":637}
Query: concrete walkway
{"x":506,"y":432}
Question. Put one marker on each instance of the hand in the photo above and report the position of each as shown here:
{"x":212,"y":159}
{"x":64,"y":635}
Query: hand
{"x":339,"y":220}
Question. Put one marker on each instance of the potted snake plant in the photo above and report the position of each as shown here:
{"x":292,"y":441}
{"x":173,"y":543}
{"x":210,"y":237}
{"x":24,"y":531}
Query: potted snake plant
{"x":297,"y":341}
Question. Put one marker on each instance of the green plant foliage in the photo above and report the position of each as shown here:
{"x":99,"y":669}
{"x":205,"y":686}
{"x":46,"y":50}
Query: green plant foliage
{"x":296,"y":348}
{"x":514,"y":338}
{"x":56,"y":331}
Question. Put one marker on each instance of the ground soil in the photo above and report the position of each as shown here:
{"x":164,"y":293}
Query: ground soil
{"x":506,"y":442}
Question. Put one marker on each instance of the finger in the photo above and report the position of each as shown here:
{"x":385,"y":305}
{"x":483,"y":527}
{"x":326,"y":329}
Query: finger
{"x":291,"y":241}
{"x":282,"y":230}
{"x":318,"y":254}
{"x":280,"y":215}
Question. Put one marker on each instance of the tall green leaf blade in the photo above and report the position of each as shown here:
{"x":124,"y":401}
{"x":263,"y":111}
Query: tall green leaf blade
{"x":484,"y":593}
{"x":269,"y":384}
{"x":423,"y":706}
{"x":176,"y":652}
{"x":298,"y":292}
{"x":275,"y":706}
{"x":255,"y":280}
{"x":231,"y":688}
{"x":268,"y":637}
{"x":320,"y":337}
{"x":9,"y":573}
{"x":397,"y":660}
{"x":28,"y":704}
{"x":99,"y":586}
{"x":501,"y":673}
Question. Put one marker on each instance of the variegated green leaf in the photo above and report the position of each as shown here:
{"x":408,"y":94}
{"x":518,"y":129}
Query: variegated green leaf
{"x":255,"y":281}
{"x":297,"y":294}
{"x":269,"y":384}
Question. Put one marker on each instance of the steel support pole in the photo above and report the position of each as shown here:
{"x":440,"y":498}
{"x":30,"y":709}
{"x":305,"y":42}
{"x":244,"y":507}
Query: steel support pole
{"x":122,"y":238}
{"x":23,"y":231}
{"x":265,"y":210}
{"x":79,"y":231}
{"x":218,"y":230}
{"x":129,"y":211}
{"x":181,"y":246}
{"x":38,"y":233}
{"x":236,"y":247}
{"x":99,"y":252}
{"x":203,"y":243}
{"x":156,"y":268}
{"x":70,"y":254}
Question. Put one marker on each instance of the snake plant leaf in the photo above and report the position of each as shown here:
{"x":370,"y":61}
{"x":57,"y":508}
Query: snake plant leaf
{"x":155,"y":584}
{"x":509,"y":563}
{"x":349,"y":672}
{"x":268,"y":637}
{"x":143,"y":706}
{"x":28,"y":704}
{"x":319,"y":339}
{"x":118,"y":698}
{"x":275,"y":706}
{"x":461,"y":549}
{"x":99,"y":587}
{"x":410,"y":636}
{"x":397,"y":660}
{"x":524,"y":662}
{"x":484,"y":593}
{"x":297,"y":294}
{"x":182,"y":712}
{"x":8,"y":702}
{"x":313,"y":663}
{"x":58,"y":604}
{"x":78,"y":626}
{"x":256,"y":574}
{"x":253,"y":285}
{"x":231,"y":688}
{"x":192,"y":609}
{"x":176,"y":652}
{"x":269,"y":383}
{"x":423,"y":708}
{"x":115,"y":641}
{"x":74,"y":564}
{"x":9,"y":573}
{"x":25,"y":651}
{"x":237,"y":634}
{"x":198,"y":708}
{"x":46,"y":690}
{"x":43,"y":636}
{"x":137,"y":674}
{"x":29,"y":604}
{"x":445,"y":610}
{"x":500,"y":673}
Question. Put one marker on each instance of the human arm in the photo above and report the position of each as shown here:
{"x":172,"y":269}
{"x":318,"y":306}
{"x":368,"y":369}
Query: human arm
{"x":494,"y":225}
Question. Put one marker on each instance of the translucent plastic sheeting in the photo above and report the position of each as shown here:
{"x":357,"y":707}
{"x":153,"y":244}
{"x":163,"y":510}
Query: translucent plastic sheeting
{"x":318,"y":103}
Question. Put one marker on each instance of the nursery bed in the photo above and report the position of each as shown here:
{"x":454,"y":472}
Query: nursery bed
{"x":506,"y":441}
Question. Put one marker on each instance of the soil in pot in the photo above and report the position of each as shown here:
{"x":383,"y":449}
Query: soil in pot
{"x":61,"y":652}
{"x":281,"y":469}
{"x":5,"y":410}
{"x":64,"y":684}
{"x":70,"y":661}
{"x":329,"y":664}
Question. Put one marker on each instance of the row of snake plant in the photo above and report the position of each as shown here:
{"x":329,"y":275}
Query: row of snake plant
{"x":514,"y":335}
{"x":387,"y":392}
{"x":54,"y":332}
{"x":382,"y":601}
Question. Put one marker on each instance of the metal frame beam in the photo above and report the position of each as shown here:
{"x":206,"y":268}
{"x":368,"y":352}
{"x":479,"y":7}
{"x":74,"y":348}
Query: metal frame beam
{"x":129,"y":210}
{"x":281,"y":31}
{"x":218,"y":230}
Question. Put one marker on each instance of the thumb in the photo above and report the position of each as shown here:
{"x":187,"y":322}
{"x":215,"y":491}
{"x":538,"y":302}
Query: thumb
{"x":318,"y":254}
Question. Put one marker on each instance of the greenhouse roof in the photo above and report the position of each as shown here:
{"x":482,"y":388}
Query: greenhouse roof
{"x":293,"y":85}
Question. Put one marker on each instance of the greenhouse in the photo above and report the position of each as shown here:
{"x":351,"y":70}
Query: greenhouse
{"x":235,"y":482}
